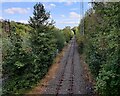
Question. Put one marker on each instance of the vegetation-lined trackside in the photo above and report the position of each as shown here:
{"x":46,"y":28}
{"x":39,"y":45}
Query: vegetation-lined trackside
{"x":69,"y":78}
{"x":102,"y":47}
{"x":29,"y":50}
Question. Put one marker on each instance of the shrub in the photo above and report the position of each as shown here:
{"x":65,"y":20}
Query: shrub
{"x":102,"y":47}
{"x":80,"y":42}
{"x":60,"y":39}
{"x":67,"y":33}
{"x":24,"y":66}
{"x":15,"y":66}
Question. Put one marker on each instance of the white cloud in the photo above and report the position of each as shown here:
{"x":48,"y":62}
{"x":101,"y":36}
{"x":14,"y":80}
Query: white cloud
{"x":17,"y":10}
{"x":59,"y":0}
{"x":68,"y":3}
{"x":1,"y":17}
{"x":75,"y":15}
{"x":74,"y":9}
{"x":69,"y":22}
{"x":23,"y":21}
{"x":28,"y":8}
{"x":90,"y":5}
{"x":51,"y":16}
{"x":49,"y":6}
{"x":44,"y":5}
{"x":63,"y":16}
{"x":52,"y":5}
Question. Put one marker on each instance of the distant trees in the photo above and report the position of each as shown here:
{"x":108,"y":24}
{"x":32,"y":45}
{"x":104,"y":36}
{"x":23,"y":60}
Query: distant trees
{"x":75,"y":30}
{"x":68,"y":33}
{"x":60,"y":38}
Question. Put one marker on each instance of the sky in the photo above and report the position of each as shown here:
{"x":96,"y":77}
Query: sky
{"x":63,"y":13}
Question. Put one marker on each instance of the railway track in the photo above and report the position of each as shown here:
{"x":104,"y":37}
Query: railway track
{"x":69,"y":78}
{"x":70,"y":55}
{"x":72,"y":72}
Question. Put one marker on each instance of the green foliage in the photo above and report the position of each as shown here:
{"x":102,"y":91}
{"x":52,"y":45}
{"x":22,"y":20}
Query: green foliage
{"x":29,"y":51}
{"x":75,"y":30}
{"x":15,"y":64}
{"x":60,"y":39}
{"x":102,"y":33}
{"x":43,"y":47}
{"x":22,"y":31}
{"x":80,"y":42}
{"x":40,"y":16}
{"x":79,"y":38}
{"x":43,"y":42}
{"x":67,"y":33}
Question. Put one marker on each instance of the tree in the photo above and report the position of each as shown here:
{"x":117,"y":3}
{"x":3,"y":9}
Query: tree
{"x":43,"y":42}
{"x":102,"y":50}
{"x":60,"y":38}
{"x":68,"y":33}
{"x":40,"y":16}
{"x":75,"y":30}
{"x":15,"y":65}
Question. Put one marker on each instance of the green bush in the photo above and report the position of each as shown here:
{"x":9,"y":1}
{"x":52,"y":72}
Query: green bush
{"x":80,"y":42}
{"x":67,"y":33}
{"x":101,"y":46}
{"x":30,"y":53}
{"x":15,"y":65}
{"x":60,"y":39}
